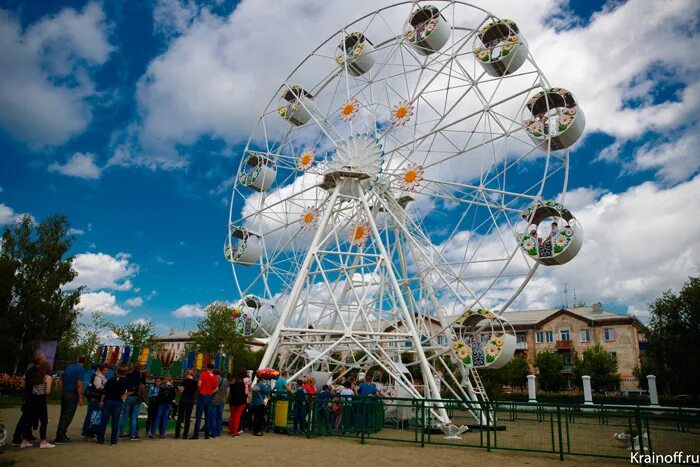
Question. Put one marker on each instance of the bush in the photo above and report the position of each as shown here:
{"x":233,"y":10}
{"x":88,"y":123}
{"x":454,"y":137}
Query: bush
{"x":11,"y":384}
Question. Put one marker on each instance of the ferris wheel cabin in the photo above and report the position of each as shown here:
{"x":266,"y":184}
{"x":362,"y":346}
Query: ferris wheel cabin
{"x":258,"y":172}
{"x":500,"y":48}
{"x":427,"y":30}
{"x":295,"y":104}
{"x":243,"y":247}
{"x":561,"y":244}
{"x":554,"y":113}
{"x":355,"y":53}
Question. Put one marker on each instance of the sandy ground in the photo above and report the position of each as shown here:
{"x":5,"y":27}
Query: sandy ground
{"x":270,"y":450}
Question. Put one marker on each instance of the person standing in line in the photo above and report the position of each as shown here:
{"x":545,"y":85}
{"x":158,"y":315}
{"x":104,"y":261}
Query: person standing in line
{"x":113,"y":397}
{"x":93,"y":394}
{"x":132,"y":406}
{"x":152,"y":398}
{"x":41,"y":386}
{"x":282,"y":387}
{"x":299,"y":409}
{"x":346,"y":395}
{"x":184,"y":412}
{"x":166,"y":396}
{"x":71,"y":397}
{"x":260,"y":392}
{"x":26,"y":417}
{"x":238,"y":399}
{"x":218,"y":402}
{"x":207,"y":386}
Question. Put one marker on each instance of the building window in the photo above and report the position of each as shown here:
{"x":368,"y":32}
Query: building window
{"x":564,"y":335}
{"x":585,"y":335}
{"x":567,"y":359}
{"x":520,"y":337}
{"x":549,"y":336}
{"x":392,"y":343}
{"x":609,"y":334}
{"x":441,"y":340}
{"x":408,"y":344}
{"x":539,"y":337}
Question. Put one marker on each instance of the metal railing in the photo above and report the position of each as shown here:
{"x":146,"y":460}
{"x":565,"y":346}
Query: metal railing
{"x":611,"y":431}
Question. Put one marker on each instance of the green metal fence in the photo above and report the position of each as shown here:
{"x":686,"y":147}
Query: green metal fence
{"x":574,"y":429}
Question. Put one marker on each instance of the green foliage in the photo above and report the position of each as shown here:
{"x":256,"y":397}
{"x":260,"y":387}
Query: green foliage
{"x":34,"y":303}
{"x":514,"y":374}
{"x":549,"y":365}
{"x":216,"y":333}
{"x":601,"y":366}
{"x":137,"y":334}
{"x":673,"y":352}
{"x":83,"y":339}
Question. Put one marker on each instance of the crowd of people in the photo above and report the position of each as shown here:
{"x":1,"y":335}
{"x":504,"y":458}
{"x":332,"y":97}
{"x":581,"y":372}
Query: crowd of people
{"x":116,"y":397}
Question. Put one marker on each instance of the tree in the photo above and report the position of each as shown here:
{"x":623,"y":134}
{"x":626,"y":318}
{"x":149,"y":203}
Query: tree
{"x":673,"y":337}
{"x":601,"y":366}
{"x":550,"y":365}
{"x":137,"y":334}
{"x":35,"y":303}
{"x":513,"y":373}
{"x":216,"y":333}
{"x":83,"y":339}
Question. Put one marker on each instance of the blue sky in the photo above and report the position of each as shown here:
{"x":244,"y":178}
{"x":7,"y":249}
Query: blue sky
{"x":117,"y":114}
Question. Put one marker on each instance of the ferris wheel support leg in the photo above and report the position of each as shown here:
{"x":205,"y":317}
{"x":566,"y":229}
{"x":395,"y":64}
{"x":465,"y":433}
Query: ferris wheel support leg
{"x":298,"y":282}
{"x":423,"y":361}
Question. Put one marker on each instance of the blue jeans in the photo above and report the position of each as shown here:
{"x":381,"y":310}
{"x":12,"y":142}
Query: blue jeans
{"x":218,"y":412}
{"x":111,"y":410}
{"x":132,"y":407}
{"x":203,"y":407}
{"x":161,"y":419}
{"x":93,"y":405}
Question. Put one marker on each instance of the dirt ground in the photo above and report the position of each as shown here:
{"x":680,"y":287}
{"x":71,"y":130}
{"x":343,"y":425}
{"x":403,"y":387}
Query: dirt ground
{"x":269,"y":450}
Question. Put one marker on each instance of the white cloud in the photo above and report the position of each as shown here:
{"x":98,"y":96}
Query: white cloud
{"x":102,"y":271}
{"x":73,"y":231}
{"x":100,"y":302}
{"x":177,"y":108}
{"x":46,"y":91}
{"x":80,"y":165}
{"x":134,"y":302}
{"x":9,"y":216}
{"x":189,"y":311}
{"x":230,"y":67}
{"x":675,"y":160}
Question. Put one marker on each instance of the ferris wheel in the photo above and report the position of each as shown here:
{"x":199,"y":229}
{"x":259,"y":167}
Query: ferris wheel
{"x":397,"y":194}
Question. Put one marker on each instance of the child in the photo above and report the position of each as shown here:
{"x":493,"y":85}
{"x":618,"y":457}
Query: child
{"x":166,"y":396}
{"x":299,"y":409}
{"x":153,"y":403}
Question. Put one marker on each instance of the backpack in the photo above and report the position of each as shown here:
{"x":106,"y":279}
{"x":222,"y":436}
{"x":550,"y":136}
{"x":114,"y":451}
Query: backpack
{"x":166,"y":394}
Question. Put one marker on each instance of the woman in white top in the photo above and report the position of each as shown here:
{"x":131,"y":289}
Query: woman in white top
{"x":93,"y":393}
{"x":41,"y":388}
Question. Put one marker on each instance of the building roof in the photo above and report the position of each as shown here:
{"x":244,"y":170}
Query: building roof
{"x":174,"y":335}
{"x":592,"y":314}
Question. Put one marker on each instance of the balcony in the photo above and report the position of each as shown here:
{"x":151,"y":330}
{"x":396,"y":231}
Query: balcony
{"x":521,"y":346}
{"x":563,"y":345}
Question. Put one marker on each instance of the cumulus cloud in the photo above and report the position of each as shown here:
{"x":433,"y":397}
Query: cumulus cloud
{"x":102,"y":271}
{"x":134,"y":302}
{"x":78,"y":165}
{"x":46,"y":93}
{"x":100,"y":302}
{"x":189,"y":311}
{"x":231,"y":67}
{"x":9,"y":216}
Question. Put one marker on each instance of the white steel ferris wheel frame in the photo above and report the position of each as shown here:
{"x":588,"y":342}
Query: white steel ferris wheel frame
{"x":420,"y":249}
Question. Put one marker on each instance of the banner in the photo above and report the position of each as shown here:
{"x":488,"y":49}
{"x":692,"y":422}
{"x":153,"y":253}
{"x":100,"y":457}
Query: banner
{"x":126,"y":355}
{"x":190,"y":360}
{"x":48,"y":348}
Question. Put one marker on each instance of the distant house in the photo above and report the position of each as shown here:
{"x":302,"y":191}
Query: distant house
{"x":178,"y":341}
{"x":569,"y":330}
